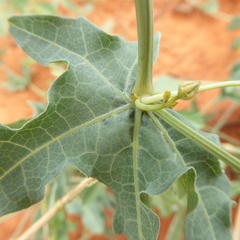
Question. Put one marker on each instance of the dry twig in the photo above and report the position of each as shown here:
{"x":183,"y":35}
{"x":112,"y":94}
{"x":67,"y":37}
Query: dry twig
{"x":59,"y":204}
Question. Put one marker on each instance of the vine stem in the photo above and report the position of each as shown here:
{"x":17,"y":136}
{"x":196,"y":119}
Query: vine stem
{"x":144,"y":15}
{"x":159,"y":97}
{"x":59,"y":205}
{"x":199,"y":139}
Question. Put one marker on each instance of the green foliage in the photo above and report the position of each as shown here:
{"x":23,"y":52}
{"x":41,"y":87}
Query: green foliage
{"x":235,"y":23}
{"x":168,"y":202}
{"x":236,"y":43}
{"x":210,"y":6}
{"x":232,"y":92}
{"x":166,"y":82}
{"x":18,"y":5}
{"x":37,"y":107}
{"x":91,"y":206}
{"x":8,"y":8}
{"x":19,"y":82}
{"x":194,"y":116}
{"x":91,"y":123}
{"x":59,"y":226}
{"x":235,"y":71}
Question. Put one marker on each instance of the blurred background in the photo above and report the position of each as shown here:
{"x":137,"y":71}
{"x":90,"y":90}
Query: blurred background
{"x":200,"y":41}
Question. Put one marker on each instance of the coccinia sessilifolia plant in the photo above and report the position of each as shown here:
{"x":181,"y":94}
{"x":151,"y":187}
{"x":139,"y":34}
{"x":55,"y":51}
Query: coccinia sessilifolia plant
{"x":105,"y":118}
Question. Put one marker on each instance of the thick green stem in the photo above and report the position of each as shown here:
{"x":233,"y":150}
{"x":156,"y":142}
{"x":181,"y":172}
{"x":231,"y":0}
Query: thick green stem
{"x":144,"y":13}
{"x":199,"y":139}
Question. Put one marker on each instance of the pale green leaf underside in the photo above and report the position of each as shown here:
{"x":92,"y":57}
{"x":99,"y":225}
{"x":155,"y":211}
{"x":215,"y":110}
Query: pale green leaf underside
{"x":90,"y":123}
{"x":210,"y":220}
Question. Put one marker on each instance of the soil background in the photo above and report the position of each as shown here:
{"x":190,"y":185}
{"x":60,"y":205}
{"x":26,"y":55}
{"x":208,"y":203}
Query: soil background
{"x":194,"y":46}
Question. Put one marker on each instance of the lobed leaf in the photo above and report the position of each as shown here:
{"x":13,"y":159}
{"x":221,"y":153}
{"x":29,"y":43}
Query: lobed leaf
{"x":210,"y":219}
{"x":91,"y":123}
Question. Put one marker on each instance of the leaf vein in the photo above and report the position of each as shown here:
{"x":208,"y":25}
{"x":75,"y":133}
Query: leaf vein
{"x":71,"y":52}
{"x":70,"y":131}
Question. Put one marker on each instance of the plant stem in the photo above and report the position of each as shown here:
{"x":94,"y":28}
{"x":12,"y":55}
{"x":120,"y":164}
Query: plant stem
{"x":144,"y":14}
{"x":199,"y":139}
{"x":159,"y":97}
{"x":59,"y":204}
{"x":37,"y":90}
{"x":219,"y":85}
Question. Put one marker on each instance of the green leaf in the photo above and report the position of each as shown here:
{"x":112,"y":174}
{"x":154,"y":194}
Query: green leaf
{"x":235,"y":23}
{"x":235,"y":71}
{"x":91,"y":123}
{"x":60,"y":228}
{"x":19,"y":5}
{"x":166,"y":82}
{"x":210,"y":7}
{"x":210,"y":220}
{"x":194,"y":116}
{"x":44,"y":7}
{"x":91,"y":206}
{"x":236,"y":43}
{"x":37,"y":107}
{"x":17,"y":82}
{"x":168,"y":202}
{"x":18,"y":124}
{"x":233,"y":92}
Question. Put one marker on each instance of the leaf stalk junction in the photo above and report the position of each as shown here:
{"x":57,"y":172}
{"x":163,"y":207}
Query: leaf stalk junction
{"x":186,"y":91}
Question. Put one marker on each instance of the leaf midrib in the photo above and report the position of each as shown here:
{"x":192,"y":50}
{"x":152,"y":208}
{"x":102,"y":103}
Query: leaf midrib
{"x":207,"y":217}
{"x":70,"y":131}
{"x":137,"y":125}
{"x":68,"y":50}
